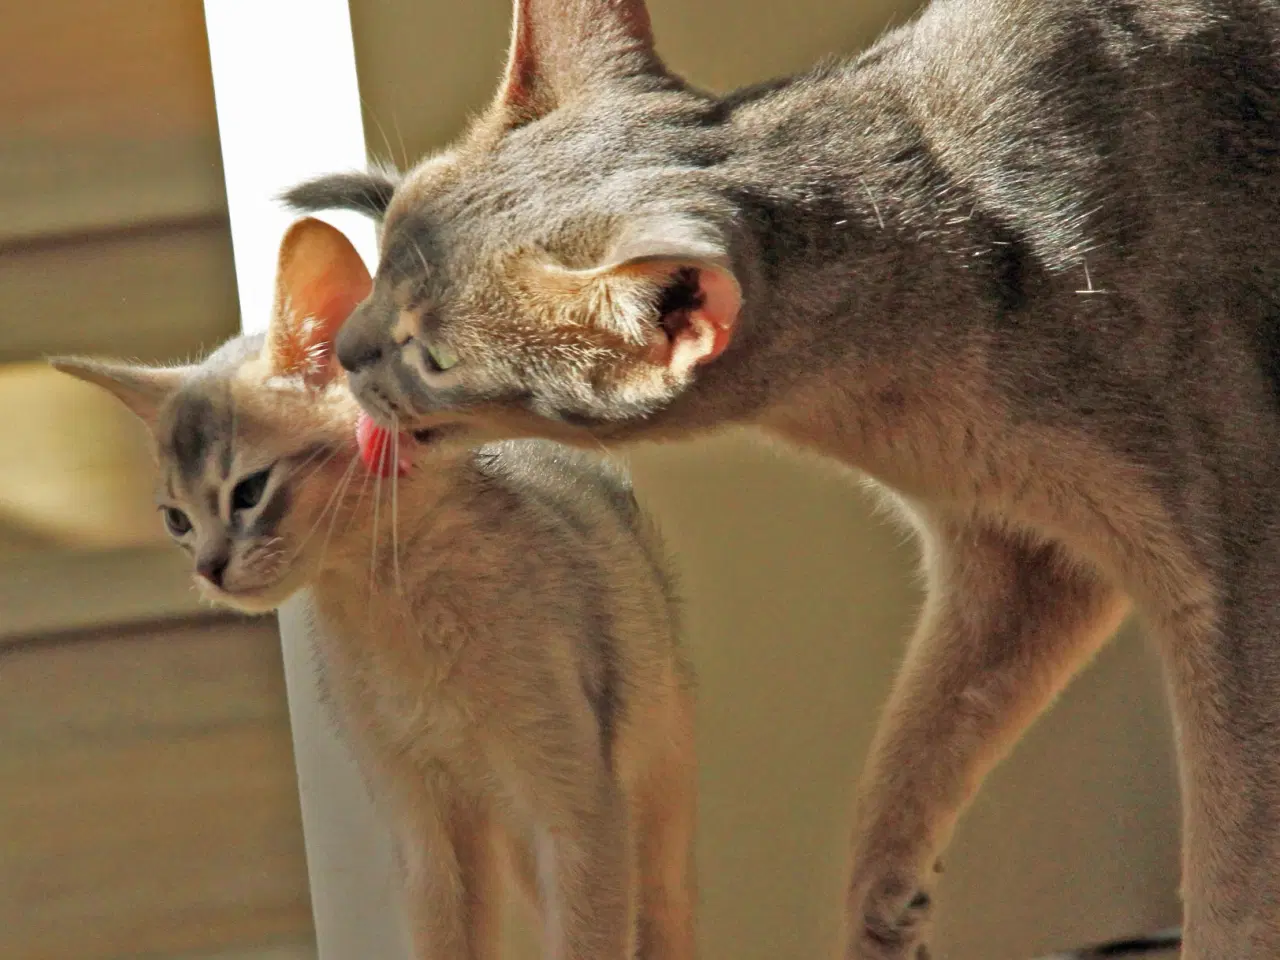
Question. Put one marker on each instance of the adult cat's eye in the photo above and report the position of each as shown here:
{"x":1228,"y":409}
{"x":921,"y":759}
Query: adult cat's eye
{"x":177,"y":522}
{"x":440,"y":358}
{"x":248,"y":492}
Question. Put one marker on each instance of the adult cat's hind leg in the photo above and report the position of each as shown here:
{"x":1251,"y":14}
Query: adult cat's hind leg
{"x":1224,"y":671}
{"x":1005,"y":627}
{"x":665,"y":814}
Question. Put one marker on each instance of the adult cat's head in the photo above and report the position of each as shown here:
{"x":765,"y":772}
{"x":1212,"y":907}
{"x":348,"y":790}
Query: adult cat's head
{"x":572,"y":265}
{"x":252,"y":441}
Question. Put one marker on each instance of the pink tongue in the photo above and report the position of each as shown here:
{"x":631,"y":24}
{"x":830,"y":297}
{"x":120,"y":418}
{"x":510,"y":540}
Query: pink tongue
{"x":376,"y":449}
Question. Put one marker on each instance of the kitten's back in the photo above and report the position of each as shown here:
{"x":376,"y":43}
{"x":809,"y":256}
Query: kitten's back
{"x":594,"y":498}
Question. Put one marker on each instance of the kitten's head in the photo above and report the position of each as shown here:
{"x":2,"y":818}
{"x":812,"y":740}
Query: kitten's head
{"x":252,"y":441}
{"x":568,"y":267}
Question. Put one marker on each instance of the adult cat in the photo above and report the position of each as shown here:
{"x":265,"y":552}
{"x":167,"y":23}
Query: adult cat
{"x":496,"y":628}
{"x":1019,"y":263}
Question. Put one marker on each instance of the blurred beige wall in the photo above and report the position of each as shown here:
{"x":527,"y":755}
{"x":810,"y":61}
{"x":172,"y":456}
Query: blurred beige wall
{"x":800,"y":598}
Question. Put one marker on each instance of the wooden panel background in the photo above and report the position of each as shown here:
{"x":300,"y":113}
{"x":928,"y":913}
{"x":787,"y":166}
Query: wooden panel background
{"x":148,"y":803}
{"x":106,"y":116}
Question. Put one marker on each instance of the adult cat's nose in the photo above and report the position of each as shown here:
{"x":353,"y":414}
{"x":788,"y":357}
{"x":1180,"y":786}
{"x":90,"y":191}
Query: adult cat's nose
{"x":357,"y":346}
{"x":213,"y":567}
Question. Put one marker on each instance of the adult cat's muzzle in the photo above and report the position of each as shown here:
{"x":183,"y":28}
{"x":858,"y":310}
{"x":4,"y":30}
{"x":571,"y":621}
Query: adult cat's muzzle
{"x":361,"y":342}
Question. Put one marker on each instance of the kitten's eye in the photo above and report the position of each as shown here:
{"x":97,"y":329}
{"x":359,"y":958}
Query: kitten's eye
{"x":441,"y":358}
{"x":248,"y":492}
{"x":179,"y":523}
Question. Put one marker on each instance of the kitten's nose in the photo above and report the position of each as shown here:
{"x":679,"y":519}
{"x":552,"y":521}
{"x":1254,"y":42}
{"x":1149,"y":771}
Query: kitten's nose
{"x":213,"y":568}
{"x":356,"y":348}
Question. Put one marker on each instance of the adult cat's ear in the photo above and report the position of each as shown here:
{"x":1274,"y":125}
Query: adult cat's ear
{"x":319,"y":280}
{"x":142,"y":389}
{"x":363,"y":191}
{"x":562,"y":47}
{"x":666,"y":286}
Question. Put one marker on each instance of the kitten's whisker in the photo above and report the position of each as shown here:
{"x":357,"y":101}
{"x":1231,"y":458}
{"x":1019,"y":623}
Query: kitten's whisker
{"x":333,"y":514}
{"x":331,"y":502}
{"x":324,"y":511}
{"x":334,"y":504}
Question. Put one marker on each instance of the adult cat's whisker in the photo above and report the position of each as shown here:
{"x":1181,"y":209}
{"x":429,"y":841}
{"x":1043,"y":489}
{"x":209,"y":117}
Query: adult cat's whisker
{"x":332,"y":454}
{"x":395,"y":502}
{"x":377,"y":503}
{"x":321,"y":450}
{"x":355,"y":511}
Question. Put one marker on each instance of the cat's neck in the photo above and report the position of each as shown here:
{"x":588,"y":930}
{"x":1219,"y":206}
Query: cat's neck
{"x":376,"y":521}
{"x":853,"y":215}
{"x":866,"y":268}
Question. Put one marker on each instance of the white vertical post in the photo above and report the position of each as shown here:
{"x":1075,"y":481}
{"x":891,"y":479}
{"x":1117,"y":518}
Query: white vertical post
{"x":288,"y":106}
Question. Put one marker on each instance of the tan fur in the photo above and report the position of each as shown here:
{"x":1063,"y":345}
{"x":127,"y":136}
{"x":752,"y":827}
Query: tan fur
{"x":1018,"y":263}
{"x":495,"y":631}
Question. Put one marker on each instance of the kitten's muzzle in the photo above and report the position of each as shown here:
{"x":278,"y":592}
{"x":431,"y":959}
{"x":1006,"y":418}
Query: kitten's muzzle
{"x":213,"y":567}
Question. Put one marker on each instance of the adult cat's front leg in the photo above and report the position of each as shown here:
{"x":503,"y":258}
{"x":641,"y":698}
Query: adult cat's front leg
{"x":1224,"y":669}
{"x":665,"y":812}
{"x":1005,"y":627}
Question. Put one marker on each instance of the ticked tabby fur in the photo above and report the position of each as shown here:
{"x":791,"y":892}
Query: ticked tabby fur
{"x":1019,"y":263}
{"x":496,"y":629}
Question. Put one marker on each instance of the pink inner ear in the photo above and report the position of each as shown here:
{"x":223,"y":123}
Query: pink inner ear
{"x":327,"y":309}
{"x":706,"y":330}
{"x":723,"y":302}
{"x":320,"y":281}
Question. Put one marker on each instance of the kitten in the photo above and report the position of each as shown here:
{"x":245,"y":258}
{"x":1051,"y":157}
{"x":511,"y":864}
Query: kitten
{"x":495,"y":628}
{"x":1019,"y":263}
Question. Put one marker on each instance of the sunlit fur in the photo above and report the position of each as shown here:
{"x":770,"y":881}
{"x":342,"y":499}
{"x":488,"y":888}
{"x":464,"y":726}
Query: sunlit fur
{"x":496,"y":632}
{"x":1019,"y":262}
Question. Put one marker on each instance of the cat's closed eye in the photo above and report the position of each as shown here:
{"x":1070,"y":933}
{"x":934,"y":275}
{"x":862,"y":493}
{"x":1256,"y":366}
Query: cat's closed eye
{"x":177,"y":522}
{"x":440,"y":358}
{"x":248,"y":492}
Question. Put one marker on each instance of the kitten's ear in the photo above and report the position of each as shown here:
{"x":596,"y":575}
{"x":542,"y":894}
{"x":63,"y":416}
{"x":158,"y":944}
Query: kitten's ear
{"x":319,"y":281}
{"x":562,"y":47}
{"x":142,"y":389}
{"x":667,"y":287}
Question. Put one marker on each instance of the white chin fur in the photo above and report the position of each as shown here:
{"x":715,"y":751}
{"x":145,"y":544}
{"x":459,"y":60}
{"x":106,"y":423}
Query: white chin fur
{"x":255,"y":601}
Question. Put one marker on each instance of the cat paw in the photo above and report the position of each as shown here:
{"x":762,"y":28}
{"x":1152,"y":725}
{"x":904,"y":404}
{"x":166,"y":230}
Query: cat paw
{"x":891,"y":921}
